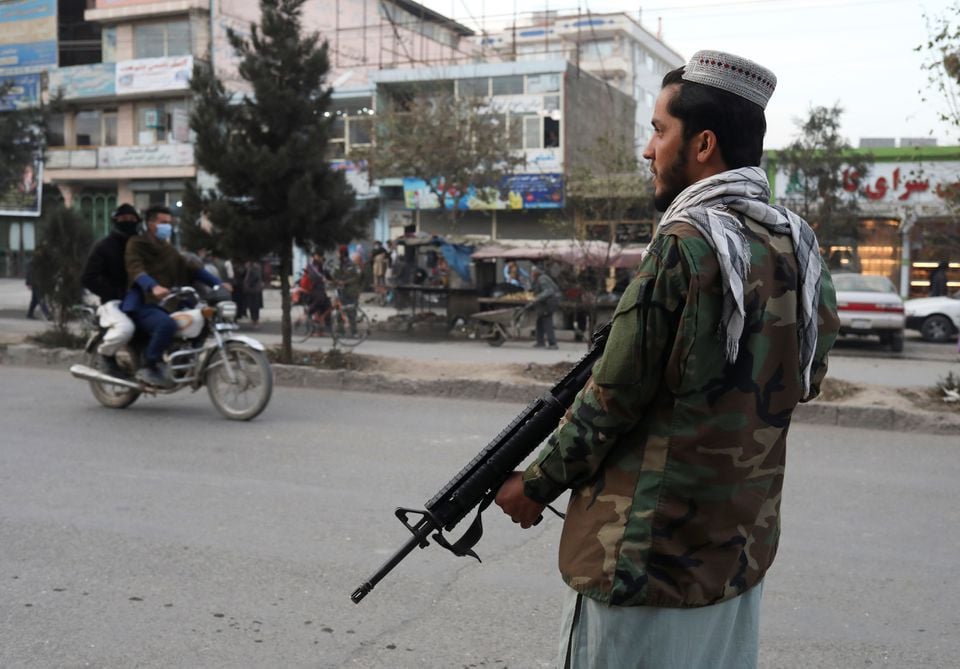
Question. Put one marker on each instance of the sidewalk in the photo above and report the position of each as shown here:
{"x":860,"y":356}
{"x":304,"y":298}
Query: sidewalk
{"x":879,"y":408}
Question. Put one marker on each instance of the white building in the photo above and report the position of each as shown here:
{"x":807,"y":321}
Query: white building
{"x":613,"y":47}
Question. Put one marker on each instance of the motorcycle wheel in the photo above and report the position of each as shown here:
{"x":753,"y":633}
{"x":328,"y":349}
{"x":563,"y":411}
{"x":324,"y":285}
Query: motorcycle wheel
{"x":109,"y":395}
{"x":246,"y":398}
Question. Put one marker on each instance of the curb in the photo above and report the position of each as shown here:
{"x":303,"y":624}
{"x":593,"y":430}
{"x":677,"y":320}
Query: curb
{"x":296,"y":376}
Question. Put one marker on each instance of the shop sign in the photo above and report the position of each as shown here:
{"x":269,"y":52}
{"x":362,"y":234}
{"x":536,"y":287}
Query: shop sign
{"x":28,"y":34}
{"x":153,"y":74}
{"x":84,"y":81}
{"x":896,"y":183}
{"x":23,"y":197}
{"x":517,"y":191}
{"x":153,"y":155}
{"x":61,"y":159}
{"x":23,"y":92}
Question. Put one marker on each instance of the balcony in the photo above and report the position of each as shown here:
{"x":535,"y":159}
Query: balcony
{"x":104,"y":13}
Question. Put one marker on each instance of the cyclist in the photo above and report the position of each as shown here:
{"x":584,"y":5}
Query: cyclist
{"x":314,"y":286}
{"x":349,"y":278}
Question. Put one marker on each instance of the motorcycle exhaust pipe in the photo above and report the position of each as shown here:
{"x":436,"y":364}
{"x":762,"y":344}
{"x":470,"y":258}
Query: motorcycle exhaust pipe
{"x":90,"y":374}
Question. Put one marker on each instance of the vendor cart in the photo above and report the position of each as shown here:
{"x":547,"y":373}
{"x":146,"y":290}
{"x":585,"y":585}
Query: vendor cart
{"x":498,"y":325}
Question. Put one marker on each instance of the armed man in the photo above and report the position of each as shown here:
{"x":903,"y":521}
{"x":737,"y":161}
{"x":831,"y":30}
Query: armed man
{"x":674,"y":451}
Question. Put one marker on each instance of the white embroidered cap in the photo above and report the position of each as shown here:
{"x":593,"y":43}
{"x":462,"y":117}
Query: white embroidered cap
{"x":732,"y":74}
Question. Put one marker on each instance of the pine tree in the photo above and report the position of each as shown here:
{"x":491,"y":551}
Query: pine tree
{"x":267,"y":149}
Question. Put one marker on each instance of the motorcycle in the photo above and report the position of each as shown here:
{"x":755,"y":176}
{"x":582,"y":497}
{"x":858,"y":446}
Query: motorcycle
{"x":206,"y":351}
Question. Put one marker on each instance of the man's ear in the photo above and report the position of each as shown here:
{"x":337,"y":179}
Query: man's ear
{"x":706,"y":147}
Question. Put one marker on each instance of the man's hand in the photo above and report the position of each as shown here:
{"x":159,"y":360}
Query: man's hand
{"x":160,"y":292}
{"x":515,"y":504}
{"x":227,"y":286}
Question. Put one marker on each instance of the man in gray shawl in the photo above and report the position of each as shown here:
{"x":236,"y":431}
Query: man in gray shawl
{"x":674,"y":451}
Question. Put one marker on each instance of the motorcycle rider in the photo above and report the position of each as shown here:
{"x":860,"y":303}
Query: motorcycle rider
{"x":105,"y":275}
{"x":152,"y":265}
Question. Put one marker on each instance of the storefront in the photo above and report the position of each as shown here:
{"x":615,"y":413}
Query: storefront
{"x":910,"y":217}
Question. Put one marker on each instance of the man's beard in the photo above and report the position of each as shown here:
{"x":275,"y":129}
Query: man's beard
{"x":674,"y":181}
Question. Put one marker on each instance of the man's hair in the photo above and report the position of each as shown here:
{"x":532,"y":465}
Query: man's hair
{"x":738,"y":123}
{"x":156,"y":210}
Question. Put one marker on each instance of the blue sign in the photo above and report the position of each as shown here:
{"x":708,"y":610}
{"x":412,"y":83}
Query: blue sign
{"x":33,"y":54}
{"x":25,"y":10}
{"x":518,"y":191}
{"x":25,"y":91}
{"x":84,"y":81}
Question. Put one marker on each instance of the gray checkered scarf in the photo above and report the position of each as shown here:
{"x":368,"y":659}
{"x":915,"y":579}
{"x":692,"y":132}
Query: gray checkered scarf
{"x":707,"y":205}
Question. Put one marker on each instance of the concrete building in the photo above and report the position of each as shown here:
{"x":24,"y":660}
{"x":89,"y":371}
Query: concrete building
{"x":555,"y":114}
{"x":613,"y":47}
{"x":123,"y":67}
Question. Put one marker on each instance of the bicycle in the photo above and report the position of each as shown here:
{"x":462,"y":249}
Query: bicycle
{"x":336,"y":323}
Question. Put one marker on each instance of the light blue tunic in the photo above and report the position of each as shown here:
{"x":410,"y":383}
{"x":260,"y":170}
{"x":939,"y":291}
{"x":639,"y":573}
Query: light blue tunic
{"x":722,"y":636}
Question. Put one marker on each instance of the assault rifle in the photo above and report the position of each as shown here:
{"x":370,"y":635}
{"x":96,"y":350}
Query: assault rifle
{"x":477,"y":484}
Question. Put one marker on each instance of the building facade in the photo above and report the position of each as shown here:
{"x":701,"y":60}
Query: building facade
{"x":613,"y":47}
{"x":909,"y":216}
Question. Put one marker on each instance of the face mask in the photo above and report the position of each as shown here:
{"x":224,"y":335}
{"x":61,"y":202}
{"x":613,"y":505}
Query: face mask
{"x":126,"y":228}
{"x":164,"y":231}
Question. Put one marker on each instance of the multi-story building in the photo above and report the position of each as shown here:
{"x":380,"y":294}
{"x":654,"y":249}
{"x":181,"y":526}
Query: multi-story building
{"x":555,"y":115}
{"x":613,"y":47}
{"x":122,"y":68}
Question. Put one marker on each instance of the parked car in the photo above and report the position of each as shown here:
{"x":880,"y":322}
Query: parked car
{"x":936,"y":318}
{"x":870,"y":306}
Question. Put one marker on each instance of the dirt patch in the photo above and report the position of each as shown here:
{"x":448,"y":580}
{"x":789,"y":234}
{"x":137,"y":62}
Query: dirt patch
{"x":833,"y":390}
{"x":929,"y":400}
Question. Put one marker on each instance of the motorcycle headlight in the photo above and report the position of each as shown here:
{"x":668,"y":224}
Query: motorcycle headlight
{"x":227,"y":310}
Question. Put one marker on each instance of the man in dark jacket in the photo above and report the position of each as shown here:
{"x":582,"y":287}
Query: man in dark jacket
{"x":105,"y":275}
{"x":154,"y":265}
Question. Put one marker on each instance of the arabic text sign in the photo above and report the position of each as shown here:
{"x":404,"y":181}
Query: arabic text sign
{"x":24,"y":91}
{"x":154,"y":74}
{"x":84,"y":81}
{"x":28,"y":33}
{"x":901,"y":183}
{"x":154,"y":155}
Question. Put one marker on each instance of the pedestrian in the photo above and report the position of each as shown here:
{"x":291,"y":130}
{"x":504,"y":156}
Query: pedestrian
{"x":253,"y":291}
{"x":546,"y":300}
{"x":938,"y":280}
{"x":105,"y":275}
{"x":674,"y":451}
{"x":349,"y":281}
{"x":238,"y":296}
{"x":380,"y":260}
{"x":36,"y":295}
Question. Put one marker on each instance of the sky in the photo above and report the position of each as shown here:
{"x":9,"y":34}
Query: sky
{"x":855,"y":53}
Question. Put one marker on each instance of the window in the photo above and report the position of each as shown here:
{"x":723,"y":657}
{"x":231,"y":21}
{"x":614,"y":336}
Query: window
{"x":598,"y":49}
{"x":163,"y":122}
{"x":508,"y":85}
{"x":110,"y":127}
{"x":156,"y":40}
{"x":87,"y":125}
{"x":478,"y":87}
{"x":551,"y":133}
{"x":531,"y":132}
{"x":360,"y":129}
{"x":55,"y":132}
{"x":551,"y":103}
{"x":515,"y":132}
{"x":543,"y":83}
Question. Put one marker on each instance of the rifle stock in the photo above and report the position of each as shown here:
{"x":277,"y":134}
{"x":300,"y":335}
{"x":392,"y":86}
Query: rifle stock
{"x":477,"y":483}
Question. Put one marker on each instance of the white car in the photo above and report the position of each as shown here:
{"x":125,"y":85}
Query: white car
{"x":870,"y":305}
{"x":936,"y":318}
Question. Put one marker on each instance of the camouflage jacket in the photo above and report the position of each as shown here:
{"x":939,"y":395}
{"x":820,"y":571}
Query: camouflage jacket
{"x":675,"y":458}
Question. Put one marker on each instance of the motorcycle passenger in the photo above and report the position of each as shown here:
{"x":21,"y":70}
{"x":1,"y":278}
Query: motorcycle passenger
{"x":105,"y":275}
{"x":152,"y":265}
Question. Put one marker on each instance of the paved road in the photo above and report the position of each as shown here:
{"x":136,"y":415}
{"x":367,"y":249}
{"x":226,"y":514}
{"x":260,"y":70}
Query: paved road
{"x":165,"y":536}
